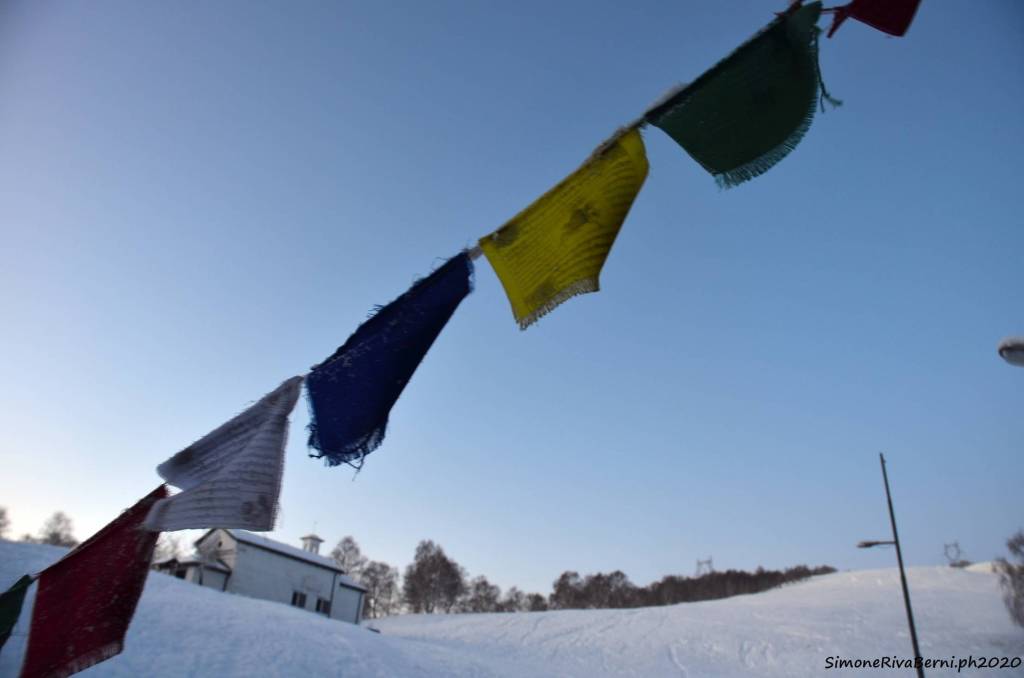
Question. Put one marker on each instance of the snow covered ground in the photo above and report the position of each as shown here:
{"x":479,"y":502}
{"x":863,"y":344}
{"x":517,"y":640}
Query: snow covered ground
{"x":185,"y":630}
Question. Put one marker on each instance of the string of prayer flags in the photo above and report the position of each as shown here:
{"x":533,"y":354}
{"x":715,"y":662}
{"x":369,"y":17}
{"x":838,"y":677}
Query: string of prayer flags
{"x":86,"y":600}
{"x":232,"y":476}
{"x":752,"y":108}
{"x":11,"y":601}
{"x":889,"y":16}
{"x":352,"y":392}
{"x":554,"y":249}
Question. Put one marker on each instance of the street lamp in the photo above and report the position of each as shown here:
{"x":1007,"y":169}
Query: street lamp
{"x":1011,"y":350}
{"x":899,"y":559}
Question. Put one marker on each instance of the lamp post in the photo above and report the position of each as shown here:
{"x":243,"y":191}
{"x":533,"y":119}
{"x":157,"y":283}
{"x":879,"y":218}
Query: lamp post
{"x":895,"y":541}
{"x":1011,"y":350}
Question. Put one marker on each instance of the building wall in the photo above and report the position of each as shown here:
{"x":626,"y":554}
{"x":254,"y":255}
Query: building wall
{"x":259,"y":573}
{"x":348,"y":605}
{"x":214,"y":579}
{"x":220,"y":545}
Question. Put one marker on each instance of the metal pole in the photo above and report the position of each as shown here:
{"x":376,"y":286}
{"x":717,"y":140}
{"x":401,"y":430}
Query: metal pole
{"x":903,"y":575}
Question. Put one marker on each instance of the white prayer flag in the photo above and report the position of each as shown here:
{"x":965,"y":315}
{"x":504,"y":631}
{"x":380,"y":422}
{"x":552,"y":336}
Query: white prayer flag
{"x":232,"y":476}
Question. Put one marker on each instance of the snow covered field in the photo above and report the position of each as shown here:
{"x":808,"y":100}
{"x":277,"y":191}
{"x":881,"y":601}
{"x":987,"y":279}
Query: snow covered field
{"x":185,"y":630}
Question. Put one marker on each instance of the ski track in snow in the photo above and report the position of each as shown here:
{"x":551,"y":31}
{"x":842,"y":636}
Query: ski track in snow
{"x":185,"y":630}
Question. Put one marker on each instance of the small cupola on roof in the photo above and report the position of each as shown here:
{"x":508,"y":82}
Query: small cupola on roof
{"x":311,"y":543}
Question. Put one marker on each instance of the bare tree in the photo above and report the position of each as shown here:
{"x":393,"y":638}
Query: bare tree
{"x":381,"y":582}
{"x":613,"y":590}
{"x":535,"y":602}
{"x":433,"y":582}
{"x":168,"y":546}
{"x":5,"y":522}
{"x":1011,"y":577}
{"x":567,"y":591}
{"x":389,"y":598}
{"x":348,"y":557}
{"x":514,"y":601}
{"x":58,"y":531}
{"x":481,"y":596}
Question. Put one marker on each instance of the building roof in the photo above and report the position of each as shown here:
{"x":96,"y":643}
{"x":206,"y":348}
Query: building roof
{"x":312,"y":536}
{"x":259,"y":541}
{"x":217,"y":565}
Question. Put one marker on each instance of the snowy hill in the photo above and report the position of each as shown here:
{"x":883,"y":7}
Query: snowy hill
{"x":185,"y":630}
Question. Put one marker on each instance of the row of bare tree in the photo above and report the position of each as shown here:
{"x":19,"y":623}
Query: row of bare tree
{"x":433,"y":582}
{"x":57,"y":530}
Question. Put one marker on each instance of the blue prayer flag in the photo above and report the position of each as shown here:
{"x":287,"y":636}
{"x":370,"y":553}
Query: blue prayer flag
{"x":352,"y":392}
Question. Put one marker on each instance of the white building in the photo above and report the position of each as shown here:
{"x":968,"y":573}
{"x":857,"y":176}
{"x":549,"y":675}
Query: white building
{"x":242,"y":562}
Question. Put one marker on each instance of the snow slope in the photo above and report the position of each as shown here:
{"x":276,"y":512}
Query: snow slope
{"x":185,"y":630}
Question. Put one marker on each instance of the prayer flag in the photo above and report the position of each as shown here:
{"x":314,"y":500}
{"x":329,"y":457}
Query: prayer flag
{"x":555,"y":248}
{"x":232,"y":476}
{"x":751,"y":109}
{"x":86,"y":600}
{"x":352,"y":392}
{"x":10,"y":607}
{"x":889,"y":16}
{"x":1011,"y":350}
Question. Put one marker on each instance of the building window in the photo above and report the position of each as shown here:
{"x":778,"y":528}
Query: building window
{"x":323,"y":606}
{"x":298,"y":599}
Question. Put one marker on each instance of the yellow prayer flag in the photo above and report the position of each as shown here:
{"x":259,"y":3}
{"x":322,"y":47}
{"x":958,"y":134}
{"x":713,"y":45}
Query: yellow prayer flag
{"x":555,"y":248}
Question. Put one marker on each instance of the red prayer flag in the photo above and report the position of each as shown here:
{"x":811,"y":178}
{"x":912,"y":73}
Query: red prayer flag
{"x":889,"y":16}
{"x":86,"y":600}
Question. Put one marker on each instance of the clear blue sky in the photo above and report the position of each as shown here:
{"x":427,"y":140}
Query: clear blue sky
{"x":199,"y":200}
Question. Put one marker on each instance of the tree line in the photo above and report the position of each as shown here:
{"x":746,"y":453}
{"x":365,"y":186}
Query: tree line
{"x":57,"y":530}
{"x":435,"y":583}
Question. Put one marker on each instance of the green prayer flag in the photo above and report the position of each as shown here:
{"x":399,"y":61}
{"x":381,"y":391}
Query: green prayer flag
{"x":10,"y":607}
{"x":753,"y":107}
